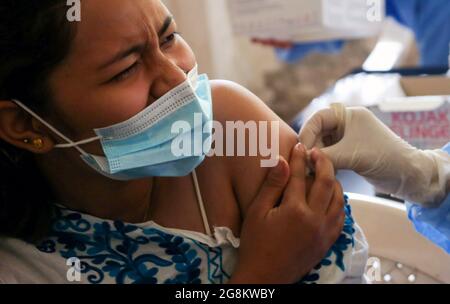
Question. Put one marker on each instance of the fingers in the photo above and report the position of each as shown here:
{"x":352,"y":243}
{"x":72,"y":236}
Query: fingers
{"x":320,"y":124}
{"x":322,"y":189}
{"x":335,"y":217}
{"x":337,"y":202}
{"x":295,"y":193}
{"x":334,"y":154}
{"x":272,"y":188}
{"x":337,"y":225}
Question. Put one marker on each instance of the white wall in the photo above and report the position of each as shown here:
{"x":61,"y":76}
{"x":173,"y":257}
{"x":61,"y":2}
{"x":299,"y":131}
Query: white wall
{"x":206,"y":27}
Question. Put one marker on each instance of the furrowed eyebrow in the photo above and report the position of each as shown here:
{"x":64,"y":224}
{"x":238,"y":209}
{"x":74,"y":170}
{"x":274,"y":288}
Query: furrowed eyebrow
{"x":123,"y":54}
{"x":165,"y":25}
{"x":138,"y":47}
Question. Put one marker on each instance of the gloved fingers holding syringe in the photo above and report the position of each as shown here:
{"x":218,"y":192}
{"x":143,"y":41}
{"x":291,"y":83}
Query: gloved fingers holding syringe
{"x":355,"y":139}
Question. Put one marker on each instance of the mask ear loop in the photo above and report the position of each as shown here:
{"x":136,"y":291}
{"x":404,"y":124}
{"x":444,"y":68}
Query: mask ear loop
{"x":70,"y":143}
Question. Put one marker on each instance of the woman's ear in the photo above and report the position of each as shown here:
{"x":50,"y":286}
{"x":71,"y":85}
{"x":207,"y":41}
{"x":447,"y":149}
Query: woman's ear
{"x":21,"y":130}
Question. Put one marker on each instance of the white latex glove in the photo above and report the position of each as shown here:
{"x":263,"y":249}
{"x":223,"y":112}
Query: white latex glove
{"x":356,"y":140}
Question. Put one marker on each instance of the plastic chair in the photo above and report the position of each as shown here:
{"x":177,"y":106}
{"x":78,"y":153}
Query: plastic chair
{"x":399,"y":254}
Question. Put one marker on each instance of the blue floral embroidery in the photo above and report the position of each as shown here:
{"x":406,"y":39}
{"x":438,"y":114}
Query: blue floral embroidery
{"x":338,"y":249}
{"x":185,"y":259}
{"x":216,"y":274}
{"x":111,"y":250}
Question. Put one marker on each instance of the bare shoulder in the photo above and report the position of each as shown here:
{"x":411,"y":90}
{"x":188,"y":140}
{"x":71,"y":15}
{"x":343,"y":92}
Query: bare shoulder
{"x":233,"y":103}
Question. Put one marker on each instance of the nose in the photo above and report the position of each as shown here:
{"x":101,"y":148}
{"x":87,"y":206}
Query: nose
{"x":169,"y":75}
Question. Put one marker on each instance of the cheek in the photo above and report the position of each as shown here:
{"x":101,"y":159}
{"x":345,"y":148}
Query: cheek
{"x":83,"y":112}
{"x":118,"y":104}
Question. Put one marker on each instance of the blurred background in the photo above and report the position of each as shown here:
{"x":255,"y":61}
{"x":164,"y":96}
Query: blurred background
{"x":286,"y":88}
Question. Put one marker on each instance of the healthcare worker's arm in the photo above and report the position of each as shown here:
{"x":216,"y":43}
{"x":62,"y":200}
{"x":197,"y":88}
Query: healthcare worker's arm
{"x":356,"y":140}
{"x":299,"y":51}
{"x":428,"y":19}
{"x":433,"y":223}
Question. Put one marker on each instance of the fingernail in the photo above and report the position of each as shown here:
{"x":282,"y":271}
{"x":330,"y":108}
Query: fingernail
{"x":301,"y":147}
{"x":315,"y":154}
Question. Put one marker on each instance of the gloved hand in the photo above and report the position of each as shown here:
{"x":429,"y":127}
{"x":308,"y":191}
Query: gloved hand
{"x":355,"y":139}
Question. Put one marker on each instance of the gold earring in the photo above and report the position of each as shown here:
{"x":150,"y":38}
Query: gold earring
{"x":38,"y":143}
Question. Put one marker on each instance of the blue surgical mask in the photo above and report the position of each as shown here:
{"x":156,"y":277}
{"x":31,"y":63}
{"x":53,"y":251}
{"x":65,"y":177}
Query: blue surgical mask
{"x":169,"y":138}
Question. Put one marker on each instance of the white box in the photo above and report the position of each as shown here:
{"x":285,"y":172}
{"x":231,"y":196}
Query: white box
{"x":422,"y":118}
{"x":417,"y":108}
{"x":307,"y":20}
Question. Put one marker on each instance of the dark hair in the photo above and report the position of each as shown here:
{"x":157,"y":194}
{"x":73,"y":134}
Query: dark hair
{"x":35,"y":36}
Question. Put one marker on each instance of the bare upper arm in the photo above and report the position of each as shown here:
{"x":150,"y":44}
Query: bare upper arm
{"x":233,"y":102}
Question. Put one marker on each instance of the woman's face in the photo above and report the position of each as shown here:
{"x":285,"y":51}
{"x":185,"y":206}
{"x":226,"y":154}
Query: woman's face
{"x":125,"y":55}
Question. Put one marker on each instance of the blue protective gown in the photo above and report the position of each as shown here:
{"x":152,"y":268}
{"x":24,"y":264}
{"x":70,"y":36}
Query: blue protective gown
{"x":433,"y":223}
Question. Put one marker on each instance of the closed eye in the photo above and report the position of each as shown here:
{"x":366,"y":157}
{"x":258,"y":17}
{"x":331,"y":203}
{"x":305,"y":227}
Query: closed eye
{"x":170,"y":38}
{"x":167,"y":42}
{"x":126,"y":73}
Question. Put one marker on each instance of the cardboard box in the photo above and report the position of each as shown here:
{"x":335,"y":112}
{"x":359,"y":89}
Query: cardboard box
{"x":426,"y":85}
{"x":307,"y":20}
{"x":423,"y":117}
